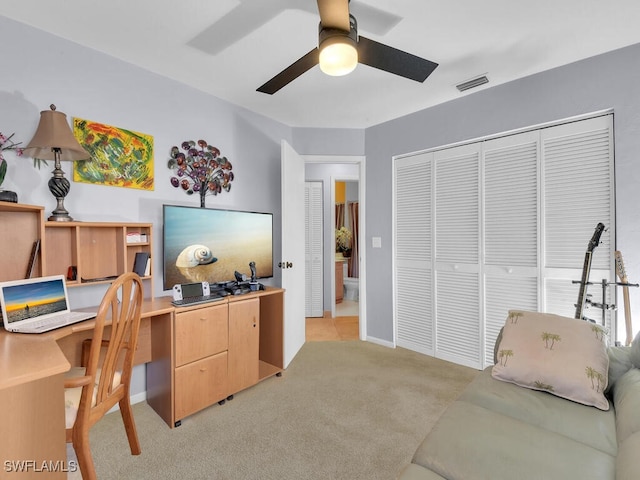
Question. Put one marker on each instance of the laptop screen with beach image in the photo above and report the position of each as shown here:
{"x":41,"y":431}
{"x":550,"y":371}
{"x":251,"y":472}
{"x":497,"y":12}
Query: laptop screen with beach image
{"x":34,"y":298}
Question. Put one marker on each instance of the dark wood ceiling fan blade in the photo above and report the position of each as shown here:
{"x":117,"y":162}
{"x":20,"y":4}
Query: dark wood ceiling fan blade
{"x":392,"y":60}
{"x":290,"y":73}
{"x":334,"y":14}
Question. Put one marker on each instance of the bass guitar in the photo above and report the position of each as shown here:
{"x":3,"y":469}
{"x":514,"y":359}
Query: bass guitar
{"x":622,"y":276}
{"x":586,"y":269}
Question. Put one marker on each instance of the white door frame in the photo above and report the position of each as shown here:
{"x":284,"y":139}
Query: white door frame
{"x":360,"y":161}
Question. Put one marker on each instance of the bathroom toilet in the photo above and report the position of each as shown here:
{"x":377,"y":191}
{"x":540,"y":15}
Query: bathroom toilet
{"x":351,"y":288}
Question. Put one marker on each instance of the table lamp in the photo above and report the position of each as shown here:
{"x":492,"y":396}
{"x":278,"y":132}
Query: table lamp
{"x":54,"y":140}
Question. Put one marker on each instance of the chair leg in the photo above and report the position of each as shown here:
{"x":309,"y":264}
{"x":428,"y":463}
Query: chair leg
{"x":129,"y":425}
{"x":83,"y":453}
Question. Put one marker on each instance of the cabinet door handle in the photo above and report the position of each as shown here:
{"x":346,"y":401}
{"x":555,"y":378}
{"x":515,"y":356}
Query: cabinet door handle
{"x":203,"y":369}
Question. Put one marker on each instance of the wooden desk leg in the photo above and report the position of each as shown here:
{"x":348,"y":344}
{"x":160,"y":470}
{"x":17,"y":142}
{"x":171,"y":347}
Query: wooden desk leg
{"x":32,"y":444}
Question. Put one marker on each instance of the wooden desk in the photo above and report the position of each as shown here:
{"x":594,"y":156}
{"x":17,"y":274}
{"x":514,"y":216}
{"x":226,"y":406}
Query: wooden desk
{"x":31,"y":404}
{"x":32,"y":371}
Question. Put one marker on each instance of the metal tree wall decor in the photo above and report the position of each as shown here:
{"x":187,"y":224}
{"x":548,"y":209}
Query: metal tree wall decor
{"x":200,"y":170}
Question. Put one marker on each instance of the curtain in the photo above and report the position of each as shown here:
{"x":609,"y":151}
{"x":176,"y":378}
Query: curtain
{"x":353,"y":266}
{"x":339,"y":215}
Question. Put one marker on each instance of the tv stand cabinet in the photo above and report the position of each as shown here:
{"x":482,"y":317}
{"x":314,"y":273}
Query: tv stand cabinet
{"x":206,"y":353}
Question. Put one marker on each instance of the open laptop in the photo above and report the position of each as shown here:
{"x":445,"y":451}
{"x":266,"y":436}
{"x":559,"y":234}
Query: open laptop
{"x":37,"y":305}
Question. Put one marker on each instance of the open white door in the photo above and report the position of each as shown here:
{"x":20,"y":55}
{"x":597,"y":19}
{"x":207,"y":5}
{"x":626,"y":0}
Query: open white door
{"x":293,"y":256}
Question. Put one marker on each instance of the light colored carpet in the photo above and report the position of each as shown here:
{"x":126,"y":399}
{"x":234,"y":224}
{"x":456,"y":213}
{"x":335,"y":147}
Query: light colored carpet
{"x":341,"y":410}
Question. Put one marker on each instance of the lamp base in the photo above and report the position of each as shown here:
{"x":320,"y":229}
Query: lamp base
{"x":60,"y":217}
{"x":59,"y":187}
{"x":8,"y":196}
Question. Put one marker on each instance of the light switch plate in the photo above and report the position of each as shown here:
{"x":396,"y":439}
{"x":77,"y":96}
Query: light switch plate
{"x":376,"y":242}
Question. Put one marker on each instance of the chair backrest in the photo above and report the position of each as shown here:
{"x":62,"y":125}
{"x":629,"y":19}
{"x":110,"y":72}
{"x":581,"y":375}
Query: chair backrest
{"x":110,"y":360}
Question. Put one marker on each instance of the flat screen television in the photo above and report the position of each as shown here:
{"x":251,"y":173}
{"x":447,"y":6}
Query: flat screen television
{"x":210,"y":245}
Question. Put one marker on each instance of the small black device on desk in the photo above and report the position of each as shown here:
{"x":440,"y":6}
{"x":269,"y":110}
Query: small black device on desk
{"x":245,"y":285}
{"x":238,"y":288}
{"x":185,"y":294}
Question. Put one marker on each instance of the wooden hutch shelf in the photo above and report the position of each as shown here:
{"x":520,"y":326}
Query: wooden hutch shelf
{"x":20,"y":226}
{"x":99,"y":250}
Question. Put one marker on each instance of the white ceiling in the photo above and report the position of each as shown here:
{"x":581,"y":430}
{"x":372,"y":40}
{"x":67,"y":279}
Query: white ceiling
{"x":229,"y":48}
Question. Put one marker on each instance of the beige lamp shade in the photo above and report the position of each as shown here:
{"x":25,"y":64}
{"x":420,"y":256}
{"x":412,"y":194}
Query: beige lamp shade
{"x":54,"y":133}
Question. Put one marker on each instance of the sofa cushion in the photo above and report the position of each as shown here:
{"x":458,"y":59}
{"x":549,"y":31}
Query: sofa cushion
{"x":619,"y":364}
{"x":628,"y":461}
{"x":563,"y":356}
{"x":469,"y":441}
{"x":626,"y":399}
{"x":635,"y":351}
{"x":581,"y":423}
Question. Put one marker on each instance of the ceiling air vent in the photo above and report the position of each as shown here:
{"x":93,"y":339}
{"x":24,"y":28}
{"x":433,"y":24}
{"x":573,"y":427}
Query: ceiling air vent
{"x":476,"y":82}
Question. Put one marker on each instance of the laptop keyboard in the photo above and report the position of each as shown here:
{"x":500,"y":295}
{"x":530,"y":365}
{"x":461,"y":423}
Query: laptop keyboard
{"x":61,"y":321}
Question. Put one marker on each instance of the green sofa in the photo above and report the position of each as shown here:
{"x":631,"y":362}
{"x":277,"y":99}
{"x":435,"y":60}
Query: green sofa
{"x":497,"y":430}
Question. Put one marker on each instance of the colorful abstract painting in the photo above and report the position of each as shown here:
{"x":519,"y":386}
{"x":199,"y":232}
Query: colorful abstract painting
{"x":119,"y":157}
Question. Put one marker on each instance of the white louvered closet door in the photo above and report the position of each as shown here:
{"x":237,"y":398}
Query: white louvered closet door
{"x":313,"y":249}
{"x":457,"y":255}
{"x":413,"y":272}
{"x":510,"y":230}
{"x":497,"y":225}
{"x":578,"y":194}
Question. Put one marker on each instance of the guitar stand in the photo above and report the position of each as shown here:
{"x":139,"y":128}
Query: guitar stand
{"x":603,"y":306}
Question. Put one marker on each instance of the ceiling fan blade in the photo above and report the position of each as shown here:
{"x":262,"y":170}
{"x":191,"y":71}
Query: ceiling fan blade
{"x":234,"y":26}
{"x":290,"y":73}
{"x":334,"y":14}
{"x":376,"y":21}
{"x":393,"y":60}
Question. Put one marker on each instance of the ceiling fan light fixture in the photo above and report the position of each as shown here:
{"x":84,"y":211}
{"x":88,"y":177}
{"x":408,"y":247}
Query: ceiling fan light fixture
{"x":338,"y":49}
{"x":338,"y":56}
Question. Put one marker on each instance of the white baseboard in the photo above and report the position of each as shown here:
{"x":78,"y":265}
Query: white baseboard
{"x":378,"y":341}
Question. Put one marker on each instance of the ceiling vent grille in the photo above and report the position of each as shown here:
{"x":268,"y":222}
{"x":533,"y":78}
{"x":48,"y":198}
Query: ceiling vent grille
{"x":476,"y":82}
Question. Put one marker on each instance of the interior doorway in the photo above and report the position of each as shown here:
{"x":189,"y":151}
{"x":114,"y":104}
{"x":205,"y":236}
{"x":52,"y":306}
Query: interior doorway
{"x":346,"y":247}
{"x":330,"y":169}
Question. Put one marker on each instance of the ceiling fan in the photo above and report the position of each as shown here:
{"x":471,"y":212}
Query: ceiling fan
{"x":340,"y":49}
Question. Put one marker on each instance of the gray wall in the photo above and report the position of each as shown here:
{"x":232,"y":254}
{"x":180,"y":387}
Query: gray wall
{"x":328,"y":141}
{"x":83,"y":83}
{"x":40,"y":69}
{"x":607,"y":81}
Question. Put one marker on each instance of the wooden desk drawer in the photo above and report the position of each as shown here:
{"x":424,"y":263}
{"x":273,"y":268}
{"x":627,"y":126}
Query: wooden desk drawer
{"x":200,"y":333}
{"x":200,"y":384}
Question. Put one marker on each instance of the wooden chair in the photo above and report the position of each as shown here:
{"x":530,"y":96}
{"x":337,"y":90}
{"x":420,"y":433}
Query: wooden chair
{"x":92,"y":390}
